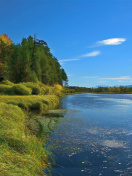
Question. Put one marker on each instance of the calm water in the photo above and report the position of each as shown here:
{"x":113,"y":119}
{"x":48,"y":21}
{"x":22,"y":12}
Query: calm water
{"x":94,"y":138}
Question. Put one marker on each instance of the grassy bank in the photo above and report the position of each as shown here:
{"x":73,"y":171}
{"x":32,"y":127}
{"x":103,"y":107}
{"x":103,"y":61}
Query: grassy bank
{"x":33,"y":102}
{"x":21,"y":152}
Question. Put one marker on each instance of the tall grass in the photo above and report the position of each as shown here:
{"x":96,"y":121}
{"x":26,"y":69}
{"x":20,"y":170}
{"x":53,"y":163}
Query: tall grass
{"x":20,"y":152}
{"x":37,"y":102}
{"x":29,"y":88}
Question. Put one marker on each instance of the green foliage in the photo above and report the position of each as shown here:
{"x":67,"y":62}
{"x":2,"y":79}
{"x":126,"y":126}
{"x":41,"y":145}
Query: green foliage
{"x":58,"y":92}
{"x":30,"y":61}
{"x":29,"y":88}
{"x":5,"y":89}
{"x":32,"y":77}
{"x":35,"y":87}
{"x":69,"y":91}
{"x":7,"y":82}
{"x":37,"y":102}
{"x":21,"y":152}
{"x":20,"y":89}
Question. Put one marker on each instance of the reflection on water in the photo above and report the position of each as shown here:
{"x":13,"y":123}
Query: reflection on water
{"x":94,"y":137}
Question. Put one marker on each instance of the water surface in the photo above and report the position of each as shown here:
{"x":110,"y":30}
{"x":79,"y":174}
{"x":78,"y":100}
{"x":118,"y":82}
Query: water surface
{"x":94,"y":138}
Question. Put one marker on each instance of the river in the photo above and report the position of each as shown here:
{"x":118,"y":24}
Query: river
{"x":94,"y":138}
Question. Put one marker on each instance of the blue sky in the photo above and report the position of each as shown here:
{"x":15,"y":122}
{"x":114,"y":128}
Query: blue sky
{"x":92,"y":39}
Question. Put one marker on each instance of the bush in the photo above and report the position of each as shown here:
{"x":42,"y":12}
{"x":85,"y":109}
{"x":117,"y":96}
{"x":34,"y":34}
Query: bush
{"x":58,"y":86}
{"x":20,"y":89}
{"x":35,"y":88}
{"x":43,"y":88}
{"x":7,"y":82}
{"x":5,"y":89}
{"x":58,"y":93}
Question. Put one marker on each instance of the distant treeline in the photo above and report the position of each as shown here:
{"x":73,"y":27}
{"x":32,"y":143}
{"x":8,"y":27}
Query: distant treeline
{"x":79,"y":89}
{"x":30,"y":61}
{"x":120,"y":89}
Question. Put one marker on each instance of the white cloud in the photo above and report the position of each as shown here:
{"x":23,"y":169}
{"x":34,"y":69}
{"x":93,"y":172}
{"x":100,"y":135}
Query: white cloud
{"x":112,"y":41}
{"x":67,"y":60}
{"x":92,"y":54}
{"x":119,"y":78}
{"x":62,"y":62}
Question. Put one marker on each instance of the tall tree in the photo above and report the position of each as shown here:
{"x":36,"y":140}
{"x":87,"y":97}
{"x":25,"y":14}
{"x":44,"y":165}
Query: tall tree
{"x":5,"y":51}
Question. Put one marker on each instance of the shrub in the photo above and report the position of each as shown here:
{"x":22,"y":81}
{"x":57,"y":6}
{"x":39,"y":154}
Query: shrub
{"x":58,"y":93}
{"x":58,"y":86}
{"x":35,"y":88}
{"x":43,"y":88}
{"x":5,"y":89}
{"x":7,"y":82}
{"x":20,"y":89}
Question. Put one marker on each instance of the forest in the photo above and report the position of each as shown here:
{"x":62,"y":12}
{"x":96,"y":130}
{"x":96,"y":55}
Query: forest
{"x":29,"y":61}
{"x":114,"y":90}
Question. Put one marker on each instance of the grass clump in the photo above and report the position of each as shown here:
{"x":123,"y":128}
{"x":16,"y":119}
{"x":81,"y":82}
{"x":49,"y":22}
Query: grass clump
{"x":21,"y":89}
{"x":5,"y":89}
{"x":36,"y":90}
{"x":37,"y":102}
{"x":30,"y":88}
{"x":20,"y":152}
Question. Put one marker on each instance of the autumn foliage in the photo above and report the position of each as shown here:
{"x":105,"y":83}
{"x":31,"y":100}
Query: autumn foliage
{"x":4,"y":38}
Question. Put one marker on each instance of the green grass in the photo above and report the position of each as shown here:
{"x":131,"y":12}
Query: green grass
{"x":37,"y":102}
{"x":5,"y":89}
{"x":36,"y":90}
{"x":21,"y":89}
{"x":28,"y":88}
{"x":21,"y":153}
{"x":21,"y":149}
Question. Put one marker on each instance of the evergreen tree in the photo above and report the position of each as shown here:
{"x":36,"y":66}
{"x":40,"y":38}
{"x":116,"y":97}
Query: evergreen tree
{"x":30,"y":61}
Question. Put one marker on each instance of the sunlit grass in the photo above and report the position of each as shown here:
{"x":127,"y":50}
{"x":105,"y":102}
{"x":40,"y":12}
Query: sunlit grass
{"x":37,"y":102}
{"x":21,"y":153}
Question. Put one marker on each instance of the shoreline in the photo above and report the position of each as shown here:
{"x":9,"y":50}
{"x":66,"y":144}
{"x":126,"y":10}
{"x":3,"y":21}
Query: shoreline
{"x":26,"y":142}
{"x":22,"y":149}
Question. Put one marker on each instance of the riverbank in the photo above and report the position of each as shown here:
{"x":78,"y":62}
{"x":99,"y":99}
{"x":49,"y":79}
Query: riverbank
{"x":22,"y":151}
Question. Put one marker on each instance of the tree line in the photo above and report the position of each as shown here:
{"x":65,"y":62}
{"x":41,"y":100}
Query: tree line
{"x":29,"y":61}
{"x":114,"y":89}
{"x":121,"y":89}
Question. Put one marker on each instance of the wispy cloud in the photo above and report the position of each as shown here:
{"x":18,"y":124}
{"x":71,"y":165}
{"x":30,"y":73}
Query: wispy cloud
{"x":92,"y":54}
{"x":111,"y":41}
{"x":119,"y":78}
{"x":67,"y":60}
